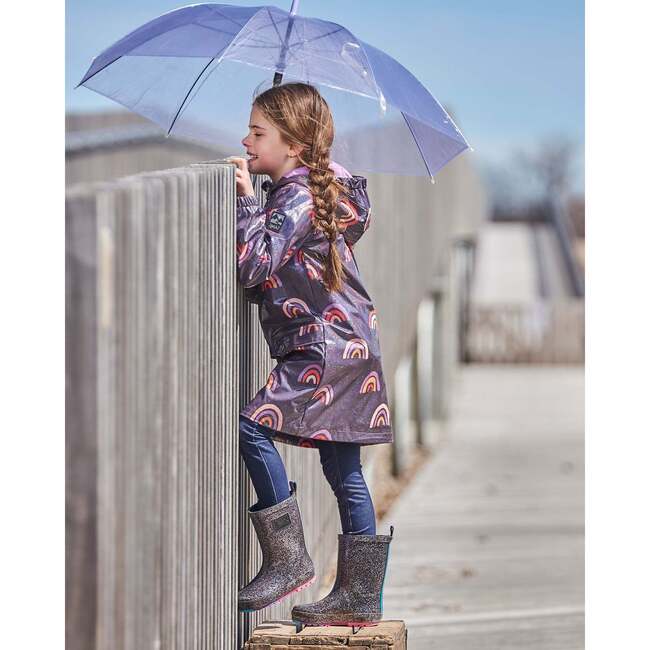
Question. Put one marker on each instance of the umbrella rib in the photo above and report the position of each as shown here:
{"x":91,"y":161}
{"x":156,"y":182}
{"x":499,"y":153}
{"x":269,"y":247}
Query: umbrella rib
{"x":214,"y":29}
{"x":188,"y":94}
{"x":223,"y":53}
{"x":234,"y":35}
{"x":98,"y":71}
{"x":291,"y":46}
{"x":275,"y":26}
{"x":372,"y":70}
{"x":417,"y":144}
{"x":324,"y":35}
{"x":232,"y":20}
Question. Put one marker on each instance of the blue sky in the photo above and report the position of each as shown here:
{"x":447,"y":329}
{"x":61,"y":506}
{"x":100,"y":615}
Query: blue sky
{"x":511,"y":71}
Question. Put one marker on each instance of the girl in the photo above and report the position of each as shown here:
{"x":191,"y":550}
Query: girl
{"x":327,"y":390}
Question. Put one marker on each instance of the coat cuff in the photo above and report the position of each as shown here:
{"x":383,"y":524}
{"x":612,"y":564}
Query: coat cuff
{"x":246,"y":200}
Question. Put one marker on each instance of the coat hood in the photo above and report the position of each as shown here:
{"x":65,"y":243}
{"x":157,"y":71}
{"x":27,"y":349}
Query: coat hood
{"x":353,"y":211}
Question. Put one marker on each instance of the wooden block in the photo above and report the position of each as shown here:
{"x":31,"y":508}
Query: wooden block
{"x":334,"y":636}
{"x":282,"y":635}
{"x":273,"y":633}
{"x":390,"y":633}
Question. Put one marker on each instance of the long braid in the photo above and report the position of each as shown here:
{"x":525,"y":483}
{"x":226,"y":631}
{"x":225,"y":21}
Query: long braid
{"x":325,"y":197}
{"x":325,"y":191}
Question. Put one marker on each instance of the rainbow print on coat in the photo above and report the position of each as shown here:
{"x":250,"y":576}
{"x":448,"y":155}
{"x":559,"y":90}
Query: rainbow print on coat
{"x":269,"y":415}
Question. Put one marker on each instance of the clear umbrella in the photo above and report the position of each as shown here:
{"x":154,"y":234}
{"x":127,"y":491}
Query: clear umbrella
{"x":196,"y":70}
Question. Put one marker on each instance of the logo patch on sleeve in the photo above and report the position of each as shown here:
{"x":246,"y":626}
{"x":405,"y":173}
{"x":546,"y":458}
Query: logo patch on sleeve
{"x":276,"y":220}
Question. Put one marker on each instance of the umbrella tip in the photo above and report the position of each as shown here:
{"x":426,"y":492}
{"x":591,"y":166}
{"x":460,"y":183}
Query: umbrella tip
{"x":433,"y":181}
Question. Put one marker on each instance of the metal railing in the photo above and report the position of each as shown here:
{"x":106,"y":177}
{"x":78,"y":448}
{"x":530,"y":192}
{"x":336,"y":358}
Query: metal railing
{"x":544,"y":331}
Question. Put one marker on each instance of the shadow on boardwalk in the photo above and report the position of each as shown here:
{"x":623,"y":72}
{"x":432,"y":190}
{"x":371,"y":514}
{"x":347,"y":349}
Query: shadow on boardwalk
{"x":489,"y":537}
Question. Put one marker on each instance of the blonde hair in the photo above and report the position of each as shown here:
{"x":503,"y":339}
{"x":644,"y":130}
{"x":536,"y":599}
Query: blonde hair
{"x":304,"y":118}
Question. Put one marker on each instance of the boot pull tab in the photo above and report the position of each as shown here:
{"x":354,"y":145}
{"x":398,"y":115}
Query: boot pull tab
{"x":391,"y":531}
{"x":292,"y":487}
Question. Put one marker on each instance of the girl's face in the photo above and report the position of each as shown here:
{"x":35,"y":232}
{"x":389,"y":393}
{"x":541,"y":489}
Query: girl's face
{"x":270,"y":155}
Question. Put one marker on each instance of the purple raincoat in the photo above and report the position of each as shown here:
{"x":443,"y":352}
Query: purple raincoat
{"x":328,"y":382}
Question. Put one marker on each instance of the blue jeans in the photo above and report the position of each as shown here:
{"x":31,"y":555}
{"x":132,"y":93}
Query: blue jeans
{"x":341,"y":465}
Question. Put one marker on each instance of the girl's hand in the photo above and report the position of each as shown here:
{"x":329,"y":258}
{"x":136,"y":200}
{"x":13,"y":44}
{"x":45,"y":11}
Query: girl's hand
{"x":242,"y":177}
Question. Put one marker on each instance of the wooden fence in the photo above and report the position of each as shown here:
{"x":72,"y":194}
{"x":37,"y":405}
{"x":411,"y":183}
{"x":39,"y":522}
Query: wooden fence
{"x":163,"y":350}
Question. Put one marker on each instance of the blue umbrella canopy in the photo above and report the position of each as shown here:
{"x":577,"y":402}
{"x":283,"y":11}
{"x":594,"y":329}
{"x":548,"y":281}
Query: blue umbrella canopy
{"x":191,"y":71}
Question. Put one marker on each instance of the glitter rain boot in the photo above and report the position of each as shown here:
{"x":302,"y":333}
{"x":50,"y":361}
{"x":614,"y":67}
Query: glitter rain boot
{"x":356,"y":599}
{"x":286,"y":565}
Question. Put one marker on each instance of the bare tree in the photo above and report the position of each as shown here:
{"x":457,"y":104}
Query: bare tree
{"x":524,"y":183}
{"x":549,"y":167}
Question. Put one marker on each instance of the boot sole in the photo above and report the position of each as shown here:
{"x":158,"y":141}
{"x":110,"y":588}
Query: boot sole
{"x":342,"y":624}
{"x":328,"y":621}
{"x":277,"y":600}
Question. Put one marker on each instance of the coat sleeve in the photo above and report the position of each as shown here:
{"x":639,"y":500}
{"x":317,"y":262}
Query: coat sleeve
{"x":268,"y":236}
{"x":357,"y":211}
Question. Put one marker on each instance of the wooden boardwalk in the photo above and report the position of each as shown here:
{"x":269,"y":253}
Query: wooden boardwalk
{"x":489,"y":537}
